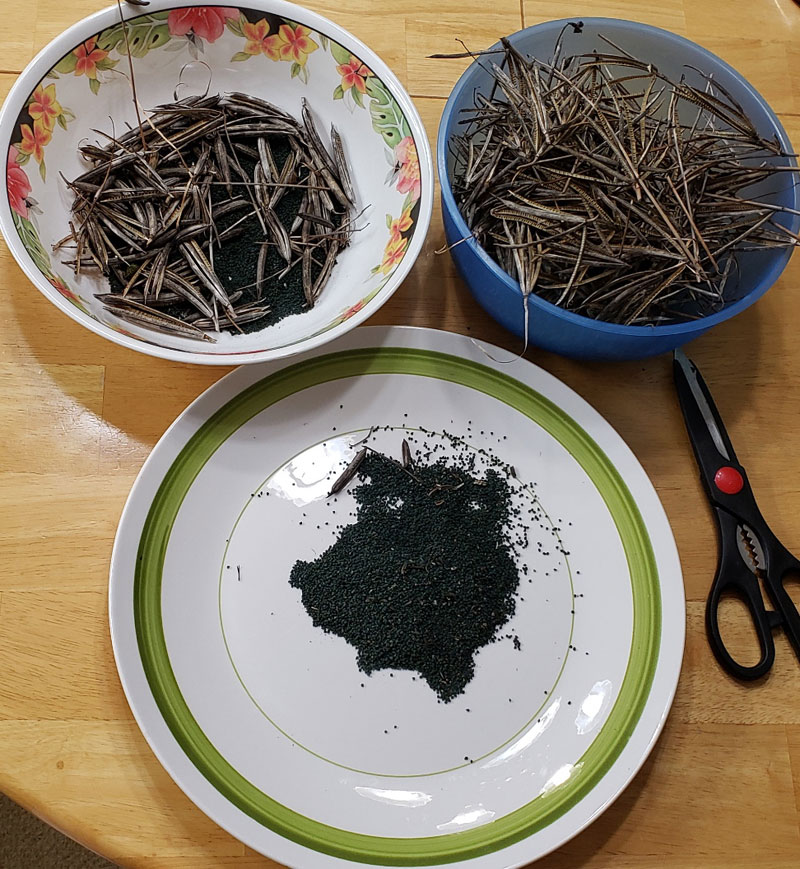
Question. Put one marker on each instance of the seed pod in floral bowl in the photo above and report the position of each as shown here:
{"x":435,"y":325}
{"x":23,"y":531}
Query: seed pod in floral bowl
{"x":209,"y":184}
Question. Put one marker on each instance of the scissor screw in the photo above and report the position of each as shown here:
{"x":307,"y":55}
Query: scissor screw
{"x":729,"y":480}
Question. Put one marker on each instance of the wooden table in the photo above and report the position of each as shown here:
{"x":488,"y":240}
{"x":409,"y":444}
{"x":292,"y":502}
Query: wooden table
{"x":78,"y":416}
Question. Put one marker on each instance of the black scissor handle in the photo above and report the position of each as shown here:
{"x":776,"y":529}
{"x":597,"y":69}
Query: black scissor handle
{"x":781,"y":564}
{"x":733,"y":578}
{"x":749,"y":593}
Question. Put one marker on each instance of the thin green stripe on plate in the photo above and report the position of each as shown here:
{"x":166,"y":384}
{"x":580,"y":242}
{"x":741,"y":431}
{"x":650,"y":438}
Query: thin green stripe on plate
{"x":357,"y":847}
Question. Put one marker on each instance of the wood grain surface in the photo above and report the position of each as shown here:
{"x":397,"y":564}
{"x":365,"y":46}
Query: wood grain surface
{"x":78,"y":416}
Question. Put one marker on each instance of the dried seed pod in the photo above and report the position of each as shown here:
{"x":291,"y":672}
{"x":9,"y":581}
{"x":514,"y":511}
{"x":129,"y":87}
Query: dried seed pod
{"x":167,"y":213}
{"x":607,"y":189}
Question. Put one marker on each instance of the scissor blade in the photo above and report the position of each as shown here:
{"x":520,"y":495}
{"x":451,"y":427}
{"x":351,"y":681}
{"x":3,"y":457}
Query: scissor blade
{"x":704,"y":404}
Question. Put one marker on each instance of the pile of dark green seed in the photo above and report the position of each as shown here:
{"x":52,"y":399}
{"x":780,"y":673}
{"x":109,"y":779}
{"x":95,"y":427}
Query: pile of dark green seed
{"x":426,"y":576}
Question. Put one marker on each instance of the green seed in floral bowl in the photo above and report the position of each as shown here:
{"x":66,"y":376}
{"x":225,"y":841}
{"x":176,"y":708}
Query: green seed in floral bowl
{"x":269,"y":49}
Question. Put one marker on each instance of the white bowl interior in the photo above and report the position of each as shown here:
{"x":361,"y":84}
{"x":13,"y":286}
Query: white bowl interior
{"x":383,"y":139}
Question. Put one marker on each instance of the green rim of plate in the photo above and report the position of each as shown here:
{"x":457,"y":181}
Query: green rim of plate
{"x":345,"y":844}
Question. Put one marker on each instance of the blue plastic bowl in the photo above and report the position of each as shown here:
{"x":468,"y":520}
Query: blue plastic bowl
{"x":571,"y":334}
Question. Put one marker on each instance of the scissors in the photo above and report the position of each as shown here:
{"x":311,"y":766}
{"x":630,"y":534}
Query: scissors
{"x":750,"y":556}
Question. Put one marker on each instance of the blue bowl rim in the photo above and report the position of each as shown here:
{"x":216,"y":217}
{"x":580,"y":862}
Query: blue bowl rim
{"x":769,"y":277}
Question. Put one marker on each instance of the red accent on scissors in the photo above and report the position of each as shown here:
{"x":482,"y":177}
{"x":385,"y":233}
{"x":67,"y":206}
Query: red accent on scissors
{"x":728,"y":480}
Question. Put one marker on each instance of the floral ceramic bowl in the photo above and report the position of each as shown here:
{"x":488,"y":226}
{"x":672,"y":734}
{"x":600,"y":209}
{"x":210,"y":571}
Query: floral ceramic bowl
{"x":272,"y":49}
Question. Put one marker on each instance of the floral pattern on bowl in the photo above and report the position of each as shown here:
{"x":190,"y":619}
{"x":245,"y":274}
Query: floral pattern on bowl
{"x":239,"y":38}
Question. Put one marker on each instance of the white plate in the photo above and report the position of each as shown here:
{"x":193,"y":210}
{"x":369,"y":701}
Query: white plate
{"x":262,"y":719}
